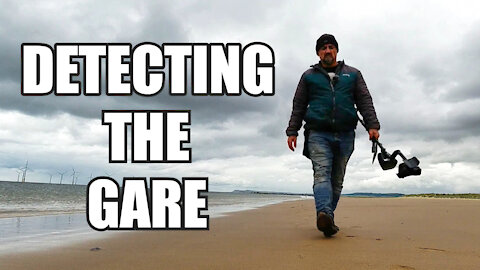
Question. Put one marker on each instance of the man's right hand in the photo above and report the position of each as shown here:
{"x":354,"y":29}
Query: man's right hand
{"x":292,"y":142}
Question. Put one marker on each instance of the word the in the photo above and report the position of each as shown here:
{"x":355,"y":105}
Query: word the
{"x":157,"y":136}
{"x":169,"y":204}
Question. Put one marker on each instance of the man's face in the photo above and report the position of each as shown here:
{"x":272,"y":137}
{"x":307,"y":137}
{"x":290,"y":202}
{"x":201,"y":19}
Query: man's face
{"x":328,"y":54}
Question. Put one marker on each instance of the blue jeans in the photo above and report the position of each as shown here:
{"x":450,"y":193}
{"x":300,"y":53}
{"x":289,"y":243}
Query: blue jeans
{"x":329,"y":152}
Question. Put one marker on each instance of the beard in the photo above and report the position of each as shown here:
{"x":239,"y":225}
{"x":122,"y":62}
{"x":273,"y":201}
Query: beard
{"x":328,"y":60}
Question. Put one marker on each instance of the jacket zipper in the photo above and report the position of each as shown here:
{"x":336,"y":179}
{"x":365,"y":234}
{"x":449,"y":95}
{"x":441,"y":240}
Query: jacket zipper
{"x":334,"y":105}
{"x":333,"y":92}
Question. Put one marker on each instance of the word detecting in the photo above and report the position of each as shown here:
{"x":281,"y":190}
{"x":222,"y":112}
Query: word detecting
{"x":214,"y":69}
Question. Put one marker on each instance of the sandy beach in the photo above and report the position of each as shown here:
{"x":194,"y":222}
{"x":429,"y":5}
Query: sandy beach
{"x":375,"y":233}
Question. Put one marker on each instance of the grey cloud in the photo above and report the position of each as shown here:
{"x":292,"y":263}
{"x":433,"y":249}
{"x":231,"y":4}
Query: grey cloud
{"x":109,"y":21}
{"x":441,"y":98}
{"x":431,"y":121}
{"x":204,"y":109}
{"x":224,"y":16}
{"x":453,"y":72}
{"x":425,"y":95}
{"x":120,"y":22}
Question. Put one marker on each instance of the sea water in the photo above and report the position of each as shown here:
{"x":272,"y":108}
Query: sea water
{"x":36,"y":216}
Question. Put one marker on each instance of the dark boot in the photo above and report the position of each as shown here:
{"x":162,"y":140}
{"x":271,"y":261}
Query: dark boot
{"x":325,"y":224}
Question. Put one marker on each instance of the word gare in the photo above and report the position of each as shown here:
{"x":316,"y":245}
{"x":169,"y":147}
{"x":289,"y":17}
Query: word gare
{"x":168,"y":205}
{"x":215,"y":69}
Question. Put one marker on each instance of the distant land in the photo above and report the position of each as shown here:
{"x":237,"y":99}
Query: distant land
{"x":443,"y":195}
{"x":271,"y":192}
{"x":356,"y":194}
{"x":375,"y":195}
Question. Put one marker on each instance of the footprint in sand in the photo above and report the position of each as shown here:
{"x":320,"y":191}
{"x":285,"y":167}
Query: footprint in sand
{"x":398,"y":266}
{"x":432,"y":249}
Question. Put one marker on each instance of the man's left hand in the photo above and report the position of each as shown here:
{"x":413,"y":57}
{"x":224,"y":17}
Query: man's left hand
{"x":373,"y":133}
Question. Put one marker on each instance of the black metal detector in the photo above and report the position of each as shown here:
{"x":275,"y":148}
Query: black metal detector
{"x":387,"y":161}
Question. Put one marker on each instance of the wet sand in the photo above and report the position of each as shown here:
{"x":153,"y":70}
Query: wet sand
{"x":375,"y":233}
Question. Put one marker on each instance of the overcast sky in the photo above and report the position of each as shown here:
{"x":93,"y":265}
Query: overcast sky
{"x":420,"y":60}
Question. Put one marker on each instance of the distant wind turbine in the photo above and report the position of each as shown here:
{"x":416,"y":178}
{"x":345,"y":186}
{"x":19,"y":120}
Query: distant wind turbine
{"x":19,"y":171}
{"x":61,"y":176}
{"x":24,"y":169}
{"x":73,"y":176}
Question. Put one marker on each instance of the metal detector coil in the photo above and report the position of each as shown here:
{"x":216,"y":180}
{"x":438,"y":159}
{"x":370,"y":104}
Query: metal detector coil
{"x":387,"y":161}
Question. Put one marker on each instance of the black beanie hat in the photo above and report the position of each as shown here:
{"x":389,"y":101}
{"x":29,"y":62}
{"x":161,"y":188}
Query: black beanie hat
{"x":326,"y":39}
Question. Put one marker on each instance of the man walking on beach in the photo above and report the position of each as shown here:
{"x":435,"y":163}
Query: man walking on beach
{"x":325,"y":98}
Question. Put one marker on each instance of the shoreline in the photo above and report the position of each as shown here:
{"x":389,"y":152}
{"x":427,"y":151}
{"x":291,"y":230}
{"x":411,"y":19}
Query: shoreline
{"x":34,"y":213}
{"x":25,"y":214}
{"x":51,"y":229}
{"x":222,"y":213}
{"x":376,"y":233}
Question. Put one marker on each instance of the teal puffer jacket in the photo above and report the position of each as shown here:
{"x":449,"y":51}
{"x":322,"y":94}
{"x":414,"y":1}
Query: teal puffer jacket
{"x":329,"y":104}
